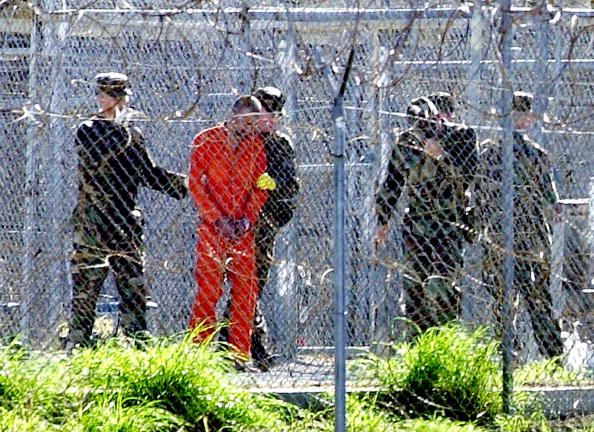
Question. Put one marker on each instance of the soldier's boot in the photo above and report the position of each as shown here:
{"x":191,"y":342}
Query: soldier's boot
{"x":261,"y":350}
{"x":135,"y":327}
{"x":80,"y":327}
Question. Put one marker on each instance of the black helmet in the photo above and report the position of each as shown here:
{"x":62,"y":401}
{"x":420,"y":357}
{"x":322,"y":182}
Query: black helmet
{"x":422,"y":116}
{"x":271,"y":98}
{"x":443,"y":101}
{"x":114,"y":84}
{"x":522,"y":101}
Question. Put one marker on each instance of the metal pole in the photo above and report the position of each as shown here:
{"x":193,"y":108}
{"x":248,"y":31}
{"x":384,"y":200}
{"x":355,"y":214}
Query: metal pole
{"x":55,"y":38}
{"x":29,"y":227}
{"x":244,"y":78}
{"x":474,"y":72}
{"x":541,"y":72}
{"x":508,"y":199}
{"x":338,"y":119}
{"x":339,"y":265}
{"x":542,"y":93}
{"x":385,"y":293}
{"x":374,"y":109}
{"x":590,"y":232}
{"x":288,"y":288}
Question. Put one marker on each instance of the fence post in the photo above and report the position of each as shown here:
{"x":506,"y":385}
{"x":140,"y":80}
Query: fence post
{"x":244,"y":79}
{"x":541,"y":100}
{"x":57,"y":133}
{"x":473,"y":301}
{"x":339,"y":122}
{"x":543,"y":86}
{"x":379,"y":319}
{"x":287,"y":291}
{"x":505,"y":104}
{"x":590,"y":234}
{"x":339,"y":264}
{"x":557,"y":260}
{"x":32,"y":162}
{"x":474,"y":72}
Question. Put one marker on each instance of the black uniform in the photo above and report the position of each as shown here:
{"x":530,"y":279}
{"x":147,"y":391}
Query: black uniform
{"x":277,"y":212}
{"x":535,"y":194}
{"x":113,"y":164}
{"x":436,"y":221}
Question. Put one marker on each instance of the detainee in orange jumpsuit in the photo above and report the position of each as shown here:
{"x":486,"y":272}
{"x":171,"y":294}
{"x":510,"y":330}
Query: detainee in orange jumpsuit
{"x":226,"y":164}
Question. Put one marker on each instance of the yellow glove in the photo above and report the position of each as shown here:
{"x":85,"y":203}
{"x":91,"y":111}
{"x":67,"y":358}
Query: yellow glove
{"x":265,"y":182}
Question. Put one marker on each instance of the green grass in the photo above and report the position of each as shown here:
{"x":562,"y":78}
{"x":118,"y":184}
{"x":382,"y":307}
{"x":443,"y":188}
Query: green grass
{"x":22,"y":420}
{"x":454,"y":374}
{"x":448,"y":380}
{"x":167,"y":386}
{"x":547,"y":372}
{"x":107,"y":415}
{"x":448,"y":370}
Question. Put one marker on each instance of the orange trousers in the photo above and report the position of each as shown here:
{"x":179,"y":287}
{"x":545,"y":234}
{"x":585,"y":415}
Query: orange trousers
{"x":215,"y":257}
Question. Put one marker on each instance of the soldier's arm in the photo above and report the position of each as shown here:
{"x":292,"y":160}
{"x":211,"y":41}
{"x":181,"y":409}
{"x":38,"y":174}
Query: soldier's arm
{"x":462,"y":149}
{"x":286,"y":177}
{"x":290,"y":167}
{"x":548,"y":188}
{"x":84,"y":142}
{"x":549,"y":185}
{"x":390,"y":191}
{"x":469,"y":166}
{"x":470,"y":154}
{"x":487,"y":181}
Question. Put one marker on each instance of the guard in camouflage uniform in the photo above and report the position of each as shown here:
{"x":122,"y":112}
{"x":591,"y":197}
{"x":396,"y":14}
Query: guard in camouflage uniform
{"x":108,"y":226}
{"x":435,"y":162}
{"x":534,"y":199}
{"x":279,"y":207}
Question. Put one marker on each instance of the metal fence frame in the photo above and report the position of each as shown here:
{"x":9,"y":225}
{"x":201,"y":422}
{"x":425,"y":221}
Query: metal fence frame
{"x":49,"y":29}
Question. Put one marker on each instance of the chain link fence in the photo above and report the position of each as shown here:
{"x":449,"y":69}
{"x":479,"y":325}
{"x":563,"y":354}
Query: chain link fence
{"x":440,"y":255}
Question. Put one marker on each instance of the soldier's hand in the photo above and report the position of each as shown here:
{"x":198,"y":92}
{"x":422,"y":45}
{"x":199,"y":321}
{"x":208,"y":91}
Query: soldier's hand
{"x":433,"y":148}
{"x":265,"y":182}
{"x":381,"y":235}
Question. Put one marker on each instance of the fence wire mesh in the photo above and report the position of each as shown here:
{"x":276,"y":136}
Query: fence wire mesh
{"x":424,"y":207}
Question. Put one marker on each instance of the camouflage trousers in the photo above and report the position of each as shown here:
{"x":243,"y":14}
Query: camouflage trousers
{"x":90,"y":266}
{"x":531,"y":282}
{"x":431,"y":267}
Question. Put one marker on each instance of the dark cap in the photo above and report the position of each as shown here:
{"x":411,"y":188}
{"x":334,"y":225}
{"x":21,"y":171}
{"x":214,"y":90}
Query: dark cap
{"x":422,"y":116}
{"x":246,"y":104}
{"x":421,"y":108}
{"x":114,"y":84}
{"x":443,"y":101}
{"x":522,"y":101}
{"x":271,"y":98}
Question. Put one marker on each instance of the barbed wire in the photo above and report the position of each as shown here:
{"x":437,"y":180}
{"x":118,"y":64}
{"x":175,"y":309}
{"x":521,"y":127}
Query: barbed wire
{"x":187,"y":64}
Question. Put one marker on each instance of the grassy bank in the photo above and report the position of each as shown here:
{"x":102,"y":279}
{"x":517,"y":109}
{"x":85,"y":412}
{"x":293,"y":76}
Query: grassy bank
{"x":449,"y":380}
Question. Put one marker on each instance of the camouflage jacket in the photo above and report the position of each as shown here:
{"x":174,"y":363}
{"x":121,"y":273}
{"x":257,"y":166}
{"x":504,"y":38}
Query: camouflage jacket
{"x":113,"y":163}
{"x":280,"y":156}
{"x":436,"y":187}
{"x":534,"y":191}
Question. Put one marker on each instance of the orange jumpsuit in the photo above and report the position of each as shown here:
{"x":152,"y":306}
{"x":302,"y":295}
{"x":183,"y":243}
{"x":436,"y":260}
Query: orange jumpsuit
{"x":222,"y":181}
